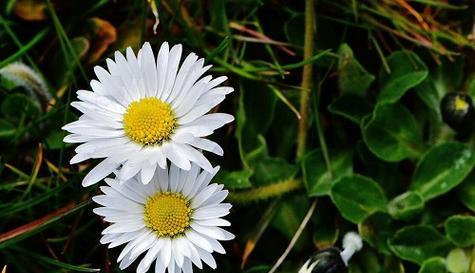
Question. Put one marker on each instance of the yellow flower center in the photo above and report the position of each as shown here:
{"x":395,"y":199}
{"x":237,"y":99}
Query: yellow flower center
{"x":149,"y":121}
{"x":168,"y":214}
{"x":460,"y":104}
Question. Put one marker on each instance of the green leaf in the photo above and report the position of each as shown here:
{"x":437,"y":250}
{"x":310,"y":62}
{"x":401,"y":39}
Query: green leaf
{"x":315,"y":174}
{"x":429,"y":94}
{"x":267,"y":169}
{"x":17,"y":105}
{"x":7,"y":130}
{"x":406,"y":205}
{"x":442,"y":168}
{"x":254,"y":115}
{"x":466,"y":191}
{"x":419,"y":243}
{"x":387,"y":174}
{"x":458,"y":261}
{"x":357,"y":196}
{"x":461,"y":230}
{"x":235,"y":179}
{"x":433,"y":265}
{"x":353,"y":77}
{"x":376,"y":229}
{"x":392,"y":134}
{"x":54,"y":139}
{"x":407,"y":71}
{"x":350,"y":106}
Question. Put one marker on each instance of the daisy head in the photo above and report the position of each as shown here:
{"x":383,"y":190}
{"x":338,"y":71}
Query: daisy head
{"x":175,"y":220}
{"x":143,"y":111}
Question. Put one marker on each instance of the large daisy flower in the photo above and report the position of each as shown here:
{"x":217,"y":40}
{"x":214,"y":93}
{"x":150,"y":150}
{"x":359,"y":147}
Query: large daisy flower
{"x":143,"y":111}
{"x":174,"y":220}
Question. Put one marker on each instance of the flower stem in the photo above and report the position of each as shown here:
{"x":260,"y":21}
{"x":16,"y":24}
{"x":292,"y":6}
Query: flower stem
{"x":265,"y":192}
{"x":306,"y":77}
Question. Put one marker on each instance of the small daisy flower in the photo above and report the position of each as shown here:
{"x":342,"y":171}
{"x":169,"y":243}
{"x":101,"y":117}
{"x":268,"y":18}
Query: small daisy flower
{"x":143,"y":111}
{"x":175,"y":220}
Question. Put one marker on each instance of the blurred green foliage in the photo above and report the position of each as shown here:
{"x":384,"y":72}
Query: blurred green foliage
{"x":395,"y":172}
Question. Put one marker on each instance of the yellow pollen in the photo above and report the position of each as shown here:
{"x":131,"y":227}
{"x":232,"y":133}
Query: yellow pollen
{"x":149,"y":121}
{"x":168,"y":214}
{"x":460,"y":104}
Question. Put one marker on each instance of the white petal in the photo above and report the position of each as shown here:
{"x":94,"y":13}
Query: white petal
{"x":177,"y":254}
{"x":207,"y":145}
{"x":214,"y":222}
{"x":149,"y":70}
{"x":121,"y":228}
{"x":147,"y":172}
{"x":166,"y":252}
{"x":199,"y":240}
{"x":207,"y":258}
{"x":187,"y":267}
{"x":101,"y":170}
{"x":159,"y":266}
{"x":173,"y":153}
{"x":201,"y":197}
{"x":174,"y":177}
{"x":172,"y":68}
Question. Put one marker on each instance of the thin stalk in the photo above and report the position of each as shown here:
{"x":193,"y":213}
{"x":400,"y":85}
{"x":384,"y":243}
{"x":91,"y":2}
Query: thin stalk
{"x":295,"y":237}
{"x":306,"y":77}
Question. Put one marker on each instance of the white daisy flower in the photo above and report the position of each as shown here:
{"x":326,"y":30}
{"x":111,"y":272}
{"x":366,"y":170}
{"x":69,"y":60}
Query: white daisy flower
{"x":175,"y":219}
{"x":143,"y":111}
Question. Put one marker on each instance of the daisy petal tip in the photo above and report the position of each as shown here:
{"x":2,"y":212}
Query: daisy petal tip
{"x":86,"y":182}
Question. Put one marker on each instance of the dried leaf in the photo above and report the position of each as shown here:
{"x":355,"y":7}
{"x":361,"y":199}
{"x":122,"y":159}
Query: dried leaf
{"x":102,"y":35}
{"x":35,"y":224}
{"x":30,"y":10}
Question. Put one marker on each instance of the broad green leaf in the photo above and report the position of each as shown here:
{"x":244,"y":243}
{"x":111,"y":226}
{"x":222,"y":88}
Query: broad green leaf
{"x":353,"y":77}
{"x":407,"y":71}
{"x":376,"y":229}
{"x":357,"y":196}
{"x":267,"y":169}
{"x":367,"y":261}
{"x":433,"y":265}
{"x":457,"y":261}
{"x":254,"y":115}
{"x":16,"y":106}
{"x":235,"y":179}
{"x":461,"y":230}
{"x":406,"y":205}
{"x":387,"y":174}
{"x":350,"y":106}
{"x":392,"y":134}
{"x":315,"y":174}
{"x":466,"y":191}
{"x":429,"y":94}
{"x":419,"y":243}
{"x":442,"y":168}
